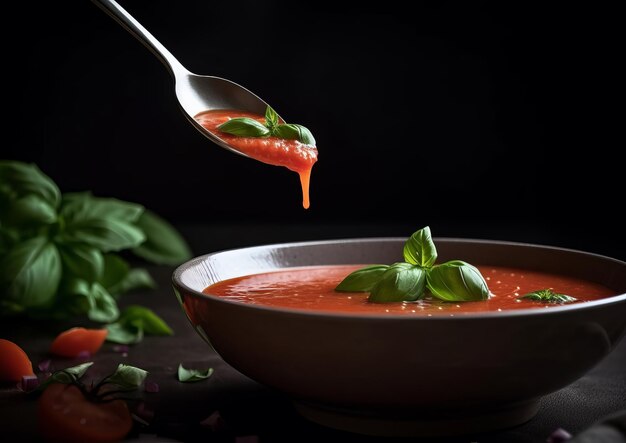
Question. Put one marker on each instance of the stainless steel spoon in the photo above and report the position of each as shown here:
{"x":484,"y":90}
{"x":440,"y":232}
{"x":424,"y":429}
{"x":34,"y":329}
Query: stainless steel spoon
{"x":195,"y":93}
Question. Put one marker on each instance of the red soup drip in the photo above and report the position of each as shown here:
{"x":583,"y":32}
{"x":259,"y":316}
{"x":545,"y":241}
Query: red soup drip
{"x":312,"y":289}
{"x":291,"y":154}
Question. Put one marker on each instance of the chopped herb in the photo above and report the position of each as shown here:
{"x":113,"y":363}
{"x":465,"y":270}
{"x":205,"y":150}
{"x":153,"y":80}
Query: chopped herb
{"x":548,"y":296}
{"x":190,"y":375}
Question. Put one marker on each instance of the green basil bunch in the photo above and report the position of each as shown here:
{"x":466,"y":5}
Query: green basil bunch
{"x":407,"y":281}
{"x":58,"y":252}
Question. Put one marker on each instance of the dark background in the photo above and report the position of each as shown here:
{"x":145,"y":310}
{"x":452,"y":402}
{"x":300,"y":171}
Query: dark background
{"x":480,"y":120}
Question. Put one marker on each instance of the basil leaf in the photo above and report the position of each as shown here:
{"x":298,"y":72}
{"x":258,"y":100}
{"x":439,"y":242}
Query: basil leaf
{"x":306,"y":136}
{"x":457,"y":281}
{"x":287,"y":131}
{"x":106,"y":234}
{"x":244,"y":127}
{"x":115,"y":270}
{"x":125,"y":334}
{"x":191,"y":375}
{"x":102,"y":306}
{"x":133,"y":322}
{"x":292,"y":131}
{"x":82,"y":206}
{"x":127,"y":377}
{"x":21,"y":179}
{"x":30,"y":273}
{"x":271,"y":118}
{"x":152,"y":323}
{"x":163,"y":245}
{"x":548,"y":296}
{"x":29,"y":210}
{"x":135,"y":279}
{"x":82,"y":261}
{"x":420,"y":249}
{"x":401,"y":282}
{"x":362,"y":280}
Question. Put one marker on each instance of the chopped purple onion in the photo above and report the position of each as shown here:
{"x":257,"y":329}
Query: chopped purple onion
{"x":214,"y":421}
{"x":122,"y":349}
{"x":44,"y":366}
{"x":83,"y":355}
{"x":29,"y":383}
{"x":559,"y":436}
{"x":151,"y":386}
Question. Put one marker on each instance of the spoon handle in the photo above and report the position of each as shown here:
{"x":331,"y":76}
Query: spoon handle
{"x":127,"y":21}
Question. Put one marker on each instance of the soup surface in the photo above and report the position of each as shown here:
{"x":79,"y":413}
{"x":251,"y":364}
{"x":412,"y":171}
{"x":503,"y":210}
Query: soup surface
{"x":291,"y":154}
{"x":313,"y":289}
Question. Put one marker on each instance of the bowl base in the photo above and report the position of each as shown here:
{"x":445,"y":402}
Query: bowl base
{"x":425,"y":424}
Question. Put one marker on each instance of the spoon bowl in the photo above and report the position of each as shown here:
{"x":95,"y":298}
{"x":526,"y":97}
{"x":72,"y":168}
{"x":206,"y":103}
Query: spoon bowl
{"x":195,"y":93}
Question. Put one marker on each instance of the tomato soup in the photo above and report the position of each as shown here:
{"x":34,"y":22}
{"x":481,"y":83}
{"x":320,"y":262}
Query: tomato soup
{"x":291,"y":154}
{"x":313,"y":289}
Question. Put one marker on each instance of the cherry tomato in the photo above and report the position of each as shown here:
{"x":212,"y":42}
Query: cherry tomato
{"x":14,"y":363}
{"x":64,"y":414}
{"x":72,"y":342}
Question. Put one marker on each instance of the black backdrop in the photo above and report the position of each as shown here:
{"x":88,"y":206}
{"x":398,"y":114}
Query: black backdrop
{"x":480,"y":120}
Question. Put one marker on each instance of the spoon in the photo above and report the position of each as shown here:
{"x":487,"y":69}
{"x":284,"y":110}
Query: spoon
{"x":195,"y":93}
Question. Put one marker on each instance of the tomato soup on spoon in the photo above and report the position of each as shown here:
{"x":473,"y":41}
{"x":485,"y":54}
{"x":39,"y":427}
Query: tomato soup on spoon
{"x":271,"y":149}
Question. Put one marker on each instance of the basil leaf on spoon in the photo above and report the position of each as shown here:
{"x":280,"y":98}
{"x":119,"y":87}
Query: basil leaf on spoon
{"x":249,"y":127}
{"x":244,"y":127}
{"x":271,"y":118}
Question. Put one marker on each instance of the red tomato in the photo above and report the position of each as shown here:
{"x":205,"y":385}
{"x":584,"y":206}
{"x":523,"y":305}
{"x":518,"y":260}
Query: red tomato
{"x":76,"y":340}
{"x":65,"y":415}
{"x":14,"y":363}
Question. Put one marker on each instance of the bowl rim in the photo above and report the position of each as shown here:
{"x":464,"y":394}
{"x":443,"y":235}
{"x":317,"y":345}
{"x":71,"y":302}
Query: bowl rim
{"x":555,"y":310}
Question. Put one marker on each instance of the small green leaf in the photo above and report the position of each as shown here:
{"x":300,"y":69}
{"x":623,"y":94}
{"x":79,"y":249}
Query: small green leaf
{"x":106,"y":234}
{"x":82,"y":261}
{"x":306,"y":136}
{"x":548,"y":296}
{"x":457,"y":281}
{"x":29,"y":210}
{"x":287,"y":131}
{"x":127,"y":377}
{"x":30,"y":273}
{"x":133,"y":322}
{"x":362,"y":280}
{"x":102,"y":306}
{"x":125,"y":334}
{"x":152,"y":323}
{"x":115,"y":270}
{"x":136,"y":278}
{"x":420,"y":249}
{"x":20,"y":179}
{"x":192,"y":375}
{"x":401,"y":282}
{"x":292,"y":131}
{"x":163,"y":245}
{"x":271,"y":118}
{"x":244,"y":127}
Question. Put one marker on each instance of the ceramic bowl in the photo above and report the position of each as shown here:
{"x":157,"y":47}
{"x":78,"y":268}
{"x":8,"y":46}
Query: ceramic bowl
{"x":395,"y":375}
